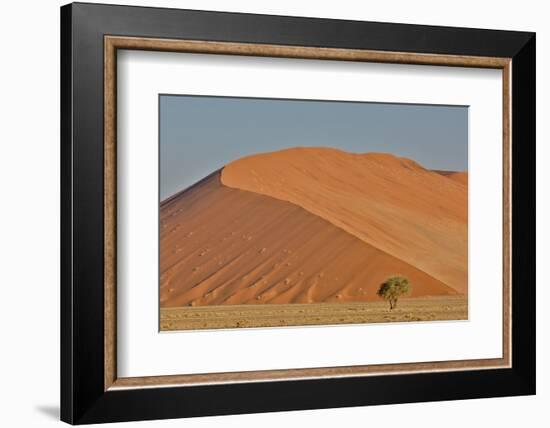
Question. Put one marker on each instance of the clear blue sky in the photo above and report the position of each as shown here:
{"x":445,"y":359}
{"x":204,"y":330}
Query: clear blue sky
{"x":199,"y":135}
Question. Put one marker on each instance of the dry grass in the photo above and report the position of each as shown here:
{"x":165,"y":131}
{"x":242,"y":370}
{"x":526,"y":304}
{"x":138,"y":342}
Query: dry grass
{"x":238,"y":316}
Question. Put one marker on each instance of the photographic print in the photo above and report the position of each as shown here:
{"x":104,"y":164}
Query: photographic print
{"x":280,"y":212}
{"x":298,"y":199}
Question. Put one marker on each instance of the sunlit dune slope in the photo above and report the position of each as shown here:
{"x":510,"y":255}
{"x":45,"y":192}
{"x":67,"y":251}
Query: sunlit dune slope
{"x":393,"y":204}
{"x":221,"y":245}
{"x":460,"y":177}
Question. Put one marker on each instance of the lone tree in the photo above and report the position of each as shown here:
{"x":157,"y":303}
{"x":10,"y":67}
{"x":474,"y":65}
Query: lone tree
{"x":392,"y":288}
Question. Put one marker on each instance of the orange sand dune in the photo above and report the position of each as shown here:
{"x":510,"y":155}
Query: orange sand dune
{"x":459,"y":176}
{"x":221,"y":245}
{"x":393,"y":204}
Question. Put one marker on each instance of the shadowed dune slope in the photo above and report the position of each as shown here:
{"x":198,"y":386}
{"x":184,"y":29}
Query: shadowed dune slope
{"x":221,"y":245}
{"x":393,"y":204}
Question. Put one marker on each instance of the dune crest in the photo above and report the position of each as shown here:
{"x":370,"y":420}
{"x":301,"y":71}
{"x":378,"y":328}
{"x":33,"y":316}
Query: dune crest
{"x":393,"y":204}
{"x":458,"y":176}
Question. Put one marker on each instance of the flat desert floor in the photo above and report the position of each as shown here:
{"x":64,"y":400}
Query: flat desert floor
{"x":407,"y":310}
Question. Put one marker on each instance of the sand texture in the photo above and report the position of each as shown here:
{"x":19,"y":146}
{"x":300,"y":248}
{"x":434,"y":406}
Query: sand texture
{"x":312,"y":226}
{"x":393,"y":204}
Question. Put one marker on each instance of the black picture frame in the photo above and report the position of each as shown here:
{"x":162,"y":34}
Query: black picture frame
{"x":83,"y":398}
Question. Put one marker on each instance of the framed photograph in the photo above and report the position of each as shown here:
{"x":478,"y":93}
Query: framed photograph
{"x":317,"y":212}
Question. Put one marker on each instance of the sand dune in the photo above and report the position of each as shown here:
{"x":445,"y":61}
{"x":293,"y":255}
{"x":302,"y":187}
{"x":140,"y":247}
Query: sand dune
{"x":392,"y":205}
{"x":225,"y":245}
{"x":459,"y":176}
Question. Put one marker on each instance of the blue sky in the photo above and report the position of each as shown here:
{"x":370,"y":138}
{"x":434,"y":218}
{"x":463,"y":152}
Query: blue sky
{"x":199,"y":135}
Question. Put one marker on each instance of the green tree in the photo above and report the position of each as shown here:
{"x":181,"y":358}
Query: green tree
{"x":392,"y":288}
